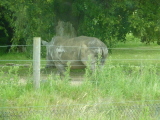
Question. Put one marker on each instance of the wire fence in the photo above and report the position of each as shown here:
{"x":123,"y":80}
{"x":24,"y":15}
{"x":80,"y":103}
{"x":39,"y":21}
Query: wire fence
{"x":121,"y":111}
{"x":120,"y":60}
{"x":119,"y":48}
{"x":118,"y":111}
{"x":28,"y":62}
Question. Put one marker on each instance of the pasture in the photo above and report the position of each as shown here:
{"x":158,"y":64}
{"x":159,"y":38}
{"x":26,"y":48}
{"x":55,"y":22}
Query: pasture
{"x":128,"y":87}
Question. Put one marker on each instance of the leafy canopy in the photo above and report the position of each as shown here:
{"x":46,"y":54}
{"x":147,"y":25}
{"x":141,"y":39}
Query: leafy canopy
{"x":109,"y":20}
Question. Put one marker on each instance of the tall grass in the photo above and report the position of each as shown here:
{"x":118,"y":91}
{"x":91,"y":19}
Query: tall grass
{"x":95,"y":98}
{"x":130,"y":82}
{"x":126,"y":88}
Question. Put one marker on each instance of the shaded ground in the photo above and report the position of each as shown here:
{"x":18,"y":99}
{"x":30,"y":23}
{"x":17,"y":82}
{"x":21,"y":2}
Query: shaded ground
{"x":25,"y":71}
{"x":76,"y":76}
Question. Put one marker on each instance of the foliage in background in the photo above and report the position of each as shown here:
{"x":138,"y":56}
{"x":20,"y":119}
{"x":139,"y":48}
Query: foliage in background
{"x":30,"y":18}
{"x":109,"y":20}
{"x":145,"y":21}
{"x":6,"y":32}
{"x":104,"y":19}
{"x":112,"y":20}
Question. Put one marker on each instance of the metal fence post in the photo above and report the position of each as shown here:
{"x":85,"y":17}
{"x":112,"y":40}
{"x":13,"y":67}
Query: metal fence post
{"x":36,"y":62}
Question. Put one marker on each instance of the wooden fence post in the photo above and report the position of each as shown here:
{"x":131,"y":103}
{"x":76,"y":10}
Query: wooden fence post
{"x":36,"y":62}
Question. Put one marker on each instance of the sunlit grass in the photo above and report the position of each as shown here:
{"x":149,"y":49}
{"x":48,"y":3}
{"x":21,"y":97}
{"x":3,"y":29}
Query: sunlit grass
{"x":14,"y":58}
{"x":135,"y":53}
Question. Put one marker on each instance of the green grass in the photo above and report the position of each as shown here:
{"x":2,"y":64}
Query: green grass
{"x":112,"y":87}
{"x":136,"y":53}
{"x":14,"y":58}
{"x":104,"y":95}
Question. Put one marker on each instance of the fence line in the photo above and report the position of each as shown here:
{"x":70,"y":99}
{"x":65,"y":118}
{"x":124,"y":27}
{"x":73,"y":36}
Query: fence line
{"x":80,"y":47}
{"x":43,"y":65}
{"x":82,"y":60}
{"x":110,"y":111}
{"x":92,"y":104}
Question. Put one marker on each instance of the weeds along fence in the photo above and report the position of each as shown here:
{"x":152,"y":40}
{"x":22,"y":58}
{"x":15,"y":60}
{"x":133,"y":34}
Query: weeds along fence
{"x":131,"y":64}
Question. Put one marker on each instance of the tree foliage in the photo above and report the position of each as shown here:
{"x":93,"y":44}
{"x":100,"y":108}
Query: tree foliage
{"x":30,"y":18}
{"x":106,"y":19}
{"x":112,"y":20}
{"x":6,"y":32}
{"x":145,"y":21}
{"x":109,"y":20}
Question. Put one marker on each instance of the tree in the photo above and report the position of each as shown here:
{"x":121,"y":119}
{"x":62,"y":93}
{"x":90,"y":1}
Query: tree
{"x":109,"y":20}
{"x":30,"y":18}
{"x":105,"y":19}
{"x":145,"y":21}
{"x":6,"y":31}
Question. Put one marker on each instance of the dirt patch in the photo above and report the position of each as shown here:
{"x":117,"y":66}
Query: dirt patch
{"x":77,"y":76}
{"x":76,"y":83}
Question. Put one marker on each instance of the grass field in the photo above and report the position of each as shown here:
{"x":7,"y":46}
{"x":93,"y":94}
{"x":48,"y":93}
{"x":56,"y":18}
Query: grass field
{"x":131,"y":73}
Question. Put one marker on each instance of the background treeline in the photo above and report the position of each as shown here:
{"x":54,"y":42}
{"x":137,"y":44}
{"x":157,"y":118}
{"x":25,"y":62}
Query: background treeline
{"x":108,"y":20}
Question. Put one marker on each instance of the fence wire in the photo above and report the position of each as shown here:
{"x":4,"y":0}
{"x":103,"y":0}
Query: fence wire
{"x":78,"y":47}
{"x":109,"y":111}
{"x":120,"y":59}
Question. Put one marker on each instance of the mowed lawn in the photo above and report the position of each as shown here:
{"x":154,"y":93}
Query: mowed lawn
{"x":135,"y":53}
